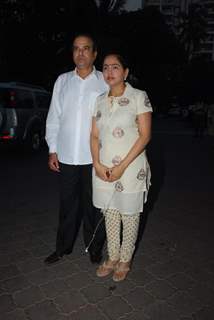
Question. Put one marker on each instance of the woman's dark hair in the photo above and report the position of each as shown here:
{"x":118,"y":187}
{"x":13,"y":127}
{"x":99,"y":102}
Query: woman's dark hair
{"x":123,"y":60}
{"x":86,"y":35}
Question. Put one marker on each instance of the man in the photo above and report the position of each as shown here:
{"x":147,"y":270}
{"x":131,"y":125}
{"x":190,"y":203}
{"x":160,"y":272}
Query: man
{"x":68,"y":137}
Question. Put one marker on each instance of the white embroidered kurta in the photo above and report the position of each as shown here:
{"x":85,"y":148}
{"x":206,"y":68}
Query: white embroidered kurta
{"x":116,"y":119}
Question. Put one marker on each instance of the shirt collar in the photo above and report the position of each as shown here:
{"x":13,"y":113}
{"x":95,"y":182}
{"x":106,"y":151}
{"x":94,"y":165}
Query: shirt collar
{"x":93,"y":73}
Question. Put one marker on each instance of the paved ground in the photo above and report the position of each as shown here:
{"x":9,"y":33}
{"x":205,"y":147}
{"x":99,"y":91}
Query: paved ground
{"x":172,"y":277}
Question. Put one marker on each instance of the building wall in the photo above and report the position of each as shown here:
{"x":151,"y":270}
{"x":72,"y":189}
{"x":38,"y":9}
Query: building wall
{"x":170,"y":8}
{"x":208,"y":45}
{"x":132,"y":5}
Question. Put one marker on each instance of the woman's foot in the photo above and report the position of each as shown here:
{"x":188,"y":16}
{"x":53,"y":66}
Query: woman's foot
{"x":121,"y":271}
{"x":106,"y":268}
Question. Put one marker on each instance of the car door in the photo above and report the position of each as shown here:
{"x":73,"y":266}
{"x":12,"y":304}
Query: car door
{"x":25,"y":110}
{"x":42,"y":104}
{"x":3,"y":103}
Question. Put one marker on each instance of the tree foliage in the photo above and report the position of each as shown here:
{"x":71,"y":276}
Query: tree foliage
{"x":156,"y":55}
{"x":192,"y":28}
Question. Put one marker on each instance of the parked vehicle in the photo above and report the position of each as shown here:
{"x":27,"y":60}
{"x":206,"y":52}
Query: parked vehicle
{"x":23,"y":112}
{"x":174,"y":111}
{"x":174,"y":108}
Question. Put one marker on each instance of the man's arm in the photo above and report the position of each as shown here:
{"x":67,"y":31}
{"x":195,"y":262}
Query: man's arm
{"x":52,"y":127}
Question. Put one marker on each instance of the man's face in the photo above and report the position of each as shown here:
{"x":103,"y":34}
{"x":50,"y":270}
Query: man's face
{"x":83,"y":54}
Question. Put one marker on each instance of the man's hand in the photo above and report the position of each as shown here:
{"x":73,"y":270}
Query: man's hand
{"x":53,"y":162}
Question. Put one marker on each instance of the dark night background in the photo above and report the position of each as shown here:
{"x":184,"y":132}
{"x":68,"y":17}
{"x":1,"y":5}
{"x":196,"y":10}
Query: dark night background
{"x":172,"y":276}
{"x":164,"y":60}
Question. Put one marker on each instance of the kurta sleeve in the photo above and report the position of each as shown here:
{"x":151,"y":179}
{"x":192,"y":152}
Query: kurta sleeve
{"x":95,"y":109}
{"x":143,"y":103}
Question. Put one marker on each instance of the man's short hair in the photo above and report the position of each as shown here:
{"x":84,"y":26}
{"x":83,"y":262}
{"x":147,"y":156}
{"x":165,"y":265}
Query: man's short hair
{"x":86,"y":35}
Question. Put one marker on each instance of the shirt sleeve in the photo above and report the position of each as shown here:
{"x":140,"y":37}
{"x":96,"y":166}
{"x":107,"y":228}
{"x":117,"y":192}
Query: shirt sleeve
{"x":95,"y":109}
{"x":53,"y":119}
{"x":143,"y":103}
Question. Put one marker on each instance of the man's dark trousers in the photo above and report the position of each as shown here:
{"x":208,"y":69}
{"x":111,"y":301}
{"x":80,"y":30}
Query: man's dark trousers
{"x":76,"y":204}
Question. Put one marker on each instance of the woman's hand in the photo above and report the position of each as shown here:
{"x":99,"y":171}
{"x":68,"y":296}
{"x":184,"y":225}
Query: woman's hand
{"x":116,"y":172}
{"x":102,"y":171}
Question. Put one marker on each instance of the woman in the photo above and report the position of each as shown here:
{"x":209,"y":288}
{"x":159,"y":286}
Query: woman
{"x":121,"y":129}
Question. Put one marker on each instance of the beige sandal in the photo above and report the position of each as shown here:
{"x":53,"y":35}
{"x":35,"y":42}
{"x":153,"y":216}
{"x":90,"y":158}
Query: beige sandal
{"x":120,"y":272}
{"x":106,"y":268}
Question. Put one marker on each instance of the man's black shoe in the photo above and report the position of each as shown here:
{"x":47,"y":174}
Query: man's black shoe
{"x":95,"y":257}
{"x":52,"y":258}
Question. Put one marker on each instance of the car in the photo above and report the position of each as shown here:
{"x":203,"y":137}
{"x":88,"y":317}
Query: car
{"x":23,"y":112}
{"x":174,"y":111}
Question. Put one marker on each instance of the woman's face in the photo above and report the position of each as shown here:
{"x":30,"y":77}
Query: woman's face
{"x":113,"y":71}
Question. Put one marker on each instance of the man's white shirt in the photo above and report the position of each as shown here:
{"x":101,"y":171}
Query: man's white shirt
{"x":69,"y":118}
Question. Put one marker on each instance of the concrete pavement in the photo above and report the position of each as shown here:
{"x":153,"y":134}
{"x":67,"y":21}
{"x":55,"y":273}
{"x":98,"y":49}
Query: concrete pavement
{"x":172,"y":276}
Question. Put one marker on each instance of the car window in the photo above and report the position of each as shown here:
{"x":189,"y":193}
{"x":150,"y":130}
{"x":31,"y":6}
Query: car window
{"x":24,"y":99}
{"x":4,"y":97}
{"x":42,"y":100}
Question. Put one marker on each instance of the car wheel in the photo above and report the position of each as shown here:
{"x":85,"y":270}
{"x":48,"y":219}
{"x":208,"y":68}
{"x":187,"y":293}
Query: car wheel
{"x":35,"y":141}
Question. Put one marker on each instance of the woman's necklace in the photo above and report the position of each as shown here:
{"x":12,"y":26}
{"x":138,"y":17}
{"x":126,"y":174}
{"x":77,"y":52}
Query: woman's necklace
{"x":117,"y":93}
